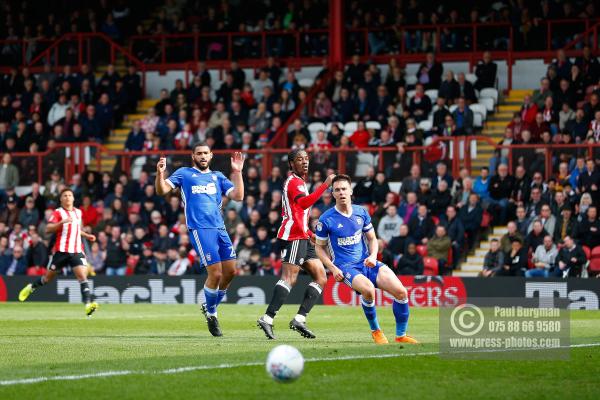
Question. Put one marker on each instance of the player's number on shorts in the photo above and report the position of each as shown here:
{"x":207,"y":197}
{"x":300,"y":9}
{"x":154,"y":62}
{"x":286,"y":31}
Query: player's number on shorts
{"x":232,"y":252}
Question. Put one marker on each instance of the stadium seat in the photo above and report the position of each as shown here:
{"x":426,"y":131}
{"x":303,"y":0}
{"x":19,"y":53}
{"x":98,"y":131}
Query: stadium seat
{"x":595,"y":253}
{"x":488,"y":102}
{"x":306,"y":82}
{"x":373,"y":125}
{"x":587,"y":251}
{"x":315,"y":127}
{"x":350,"y":128}
{"x":452,"y":108}
{"x":422,"y":250}
{"x":436,"y":220}
{"x":594,"y":266}
{"x":426,"y":125}
{"x":486,"y":220}
{"x":410,"y":94}
{"x":477,"y":120}
{"x":432,"y":94}
{"x":479,"y":108}
{"x":330,"y":125}
{"x":411,"y":80}
{"x":489,"y":93}
{"x":431,"y":266}
{"x":471,"y":78}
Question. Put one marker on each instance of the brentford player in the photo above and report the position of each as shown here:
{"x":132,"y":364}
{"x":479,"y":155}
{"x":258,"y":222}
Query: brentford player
{"x":298,"y":250}
{"x":66,"y":224}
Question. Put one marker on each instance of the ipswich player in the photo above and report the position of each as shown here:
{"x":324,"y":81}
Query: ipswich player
{"x":347,"y":246}
{"x":297,"y":250}
{"x":202,"y":192}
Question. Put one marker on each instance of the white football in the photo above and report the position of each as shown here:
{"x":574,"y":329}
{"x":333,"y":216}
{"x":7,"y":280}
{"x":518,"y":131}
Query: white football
{"x":285,"y":363}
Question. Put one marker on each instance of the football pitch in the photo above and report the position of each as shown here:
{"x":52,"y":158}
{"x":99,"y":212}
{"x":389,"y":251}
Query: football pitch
{"x":51,"y":351}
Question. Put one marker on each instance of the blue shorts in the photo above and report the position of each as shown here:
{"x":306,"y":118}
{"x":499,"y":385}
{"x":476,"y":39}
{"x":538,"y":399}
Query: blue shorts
{"x":212,"y":245}
{"x":360,"y":269}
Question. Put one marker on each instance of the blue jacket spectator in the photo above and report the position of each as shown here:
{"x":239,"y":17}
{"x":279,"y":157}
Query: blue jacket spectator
{"x":135,"y":139}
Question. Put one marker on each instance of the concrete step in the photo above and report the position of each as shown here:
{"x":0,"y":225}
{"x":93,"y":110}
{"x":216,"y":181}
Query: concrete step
{"x":500,"y":230}
{"x":495,"y":236}
{"x":148,"y":102}
{"x":114,"y":146}
{"x":465,"y":274}
{"x":471,"y":267}
{"x":134,"y":117}
{"x":484,"y":245}
{"x":475,"y":260}
{"x":519,"y":92}
{"x":481,"y":252}
{"x":509,"y":107}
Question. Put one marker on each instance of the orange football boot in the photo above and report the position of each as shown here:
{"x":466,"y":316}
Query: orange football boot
{"x":379,"y":337}
{"x":406,"y":339}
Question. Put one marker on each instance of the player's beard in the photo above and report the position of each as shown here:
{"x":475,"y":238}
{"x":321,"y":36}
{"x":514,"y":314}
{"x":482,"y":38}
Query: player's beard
{"x":199,"y":166}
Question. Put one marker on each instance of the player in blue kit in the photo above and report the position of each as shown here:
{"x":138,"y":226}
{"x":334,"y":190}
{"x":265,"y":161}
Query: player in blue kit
{"x":347,"y":246}
{"x":202,"y":192}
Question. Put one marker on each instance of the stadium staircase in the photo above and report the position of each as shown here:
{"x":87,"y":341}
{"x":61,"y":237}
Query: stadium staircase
{"x":494,"y":129}
{"x":117,"y":138}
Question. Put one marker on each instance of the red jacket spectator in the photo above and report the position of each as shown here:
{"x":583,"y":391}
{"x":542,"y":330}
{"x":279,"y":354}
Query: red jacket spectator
{"x":360,"y":138}
{"x":89,"y":215}
{"x":528,"y":111}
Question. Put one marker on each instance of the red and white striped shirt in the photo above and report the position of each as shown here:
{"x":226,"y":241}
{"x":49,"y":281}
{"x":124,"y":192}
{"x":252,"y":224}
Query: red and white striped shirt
{"x":296,"y":204}
{"x":68,"y":236}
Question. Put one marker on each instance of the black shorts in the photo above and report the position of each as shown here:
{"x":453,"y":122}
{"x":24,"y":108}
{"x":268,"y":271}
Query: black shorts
{"x":59,"y":260}
{"x":297,"y":252}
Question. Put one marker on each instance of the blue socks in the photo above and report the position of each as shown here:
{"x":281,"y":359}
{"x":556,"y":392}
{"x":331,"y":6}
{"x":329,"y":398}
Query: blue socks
{"x":212,"y":300}
{"x":220,"y":295}
{"x":371,"y":313}
{"x":400,"y":308}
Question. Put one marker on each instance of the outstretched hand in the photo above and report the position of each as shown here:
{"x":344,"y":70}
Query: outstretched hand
{"x":161,"y":166}
{"x":237,"y":161}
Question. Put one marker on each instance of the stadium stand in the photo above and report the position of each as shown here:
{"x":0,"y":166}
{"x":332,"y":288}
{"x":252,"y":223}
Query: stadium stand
{"x":446,"y":144}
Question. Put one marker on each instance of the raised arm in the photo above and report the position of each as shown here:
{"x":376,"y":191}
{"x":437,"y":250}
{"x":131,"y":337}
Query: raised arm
{"x":160,"y":183}
{"x":308,"y":201}
{"x":237,"y":165}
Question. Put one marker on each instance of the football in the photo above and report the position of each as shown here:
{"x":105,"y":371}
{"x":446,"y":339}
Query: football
{"x":285,"y":363}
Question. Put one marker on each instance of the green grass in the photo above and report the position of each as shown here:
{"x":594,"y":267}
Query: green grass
{"x":43,"y":339}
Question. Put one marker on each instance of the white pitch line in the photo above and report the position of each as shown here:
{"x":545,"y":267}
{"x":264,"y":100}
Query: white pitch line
{"x":28,"y":381}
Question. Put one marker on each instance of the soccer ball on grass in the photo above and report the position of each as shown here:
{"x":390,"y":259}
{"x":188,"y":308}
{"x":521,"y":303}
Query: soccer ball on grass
{"x":285,"y":363}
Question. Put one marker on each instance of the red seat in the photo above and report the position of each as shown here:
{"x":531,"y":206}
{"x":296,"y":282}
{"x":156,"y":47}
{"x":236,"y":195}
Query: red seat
{"x":594,"y":267}
{"x":587,"y":251}
{"x":436,"y":220}
{"x":595,"y":252}
{"x":422,"y":250}
{"x":431,"y":266}
{"x":486,"y":219}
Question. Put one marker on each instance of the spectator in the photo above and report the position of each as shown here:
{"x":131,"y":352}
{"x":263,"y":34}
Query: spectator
{"x":420,"y":104}
{"x":566,"y":224}
{"x":421,"y":225}
{"x":543,"y":259}
{"x":411,"y":262}
{"x":389,"y":225}
{"x":9,"y":174}
{"x":535,"y":237}
{"x":486,"y":72}
{"x":135,"y":139}
{"x":14,"y":265}
{"x":500,"y":189}
{"x":466,"y":89}
{"x":588,"y":230}
{"x":463,"y":116}
{"x":181,"y":264}
{"x":116,"y":252}
{"x":494,"y":260}
{"x":515,"y":260}
{"x":570,"y":260}
{"x":439,"y":247}
{"x":10,"y":215}
{"x":29,"y":215}
{"x":430,"y":72}
{"x":37,"y":254}
{"x":449,"y":89}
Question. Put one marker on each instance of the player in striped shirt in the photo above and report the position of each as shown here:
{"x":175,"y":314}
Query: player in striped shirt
{"x":298,"y":252}
{"x":66,"y":224}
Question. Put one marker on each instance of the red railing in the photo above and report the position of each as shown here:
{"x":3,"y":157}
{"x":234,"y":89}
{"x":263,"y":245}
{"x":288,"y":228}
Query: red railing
{"x":77,"y":158}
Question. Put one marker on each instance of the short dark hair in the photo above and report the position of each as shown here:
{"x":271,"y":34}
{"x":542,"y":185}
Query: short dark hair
{"x":199,"y":144}
{"x":66,"y":190}
{"x":340,"y":178}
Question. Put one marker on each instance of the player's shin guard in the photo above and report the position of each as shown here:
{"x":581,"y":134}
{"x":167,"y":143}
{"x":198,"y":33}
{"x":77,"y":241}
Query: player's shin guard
{"x":38,"y":282}
{"x":85,"y":291}
{"x":212,"y":297}
{"x":313,"y":291}
{"x":370,"y":312}
{"x":400,"y":309}
{"x":221,"y":295}
{"x":281,"y":292}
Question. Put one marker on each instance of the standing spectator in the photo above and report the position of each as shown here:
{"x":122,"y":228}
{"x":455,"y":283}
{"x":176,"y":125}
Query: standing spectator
{"x":456,"y":233}
{"x":543,"y":259}
{"x":9,"y":174}
{"x":135,"y":139}
{"x":430,"y":72}
{"x":494,"y":259}
{"x":486,"y":71}
{"x":470,"y":215}
{"x":500,"y":188}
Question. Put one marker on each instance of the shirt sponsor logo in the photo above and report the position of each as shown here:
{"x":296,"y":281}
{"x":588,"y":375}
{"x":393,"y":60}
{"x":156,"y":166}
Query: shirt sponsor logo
{"x":350,"y":240}
{"x":211,"y":188}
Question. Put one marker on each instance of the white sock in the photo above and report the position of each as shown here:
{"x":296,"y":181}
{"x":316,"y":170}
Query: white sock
{"x":300,"y":318}
{"x":268,"y":319}
{"x":211,"y":314}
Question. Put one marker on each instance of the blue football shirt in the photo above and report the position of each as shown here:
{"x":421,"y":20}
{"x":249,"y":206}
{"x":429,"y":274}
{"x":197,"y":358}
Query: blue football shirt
{"x":202,"y":195}
{"x":345,"y":233}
